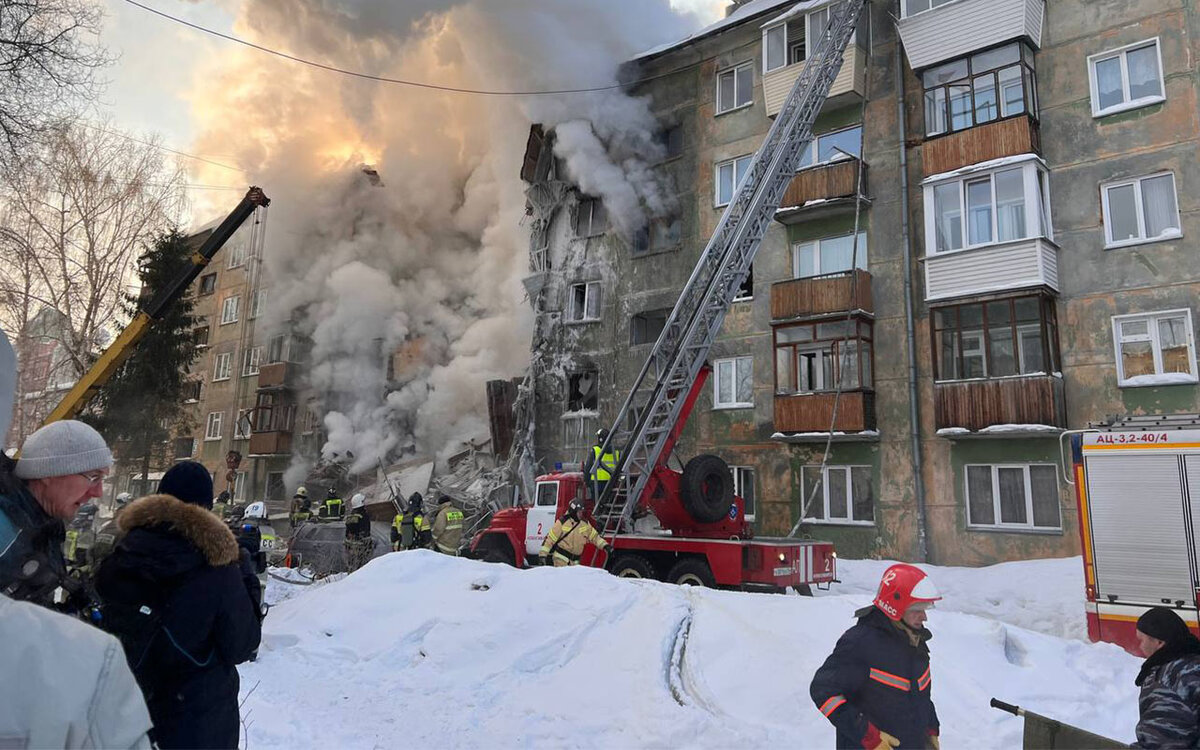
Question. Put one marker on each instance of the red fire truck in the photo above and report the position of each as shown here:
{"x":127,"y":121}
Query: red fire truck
{"x":1137,"y":484}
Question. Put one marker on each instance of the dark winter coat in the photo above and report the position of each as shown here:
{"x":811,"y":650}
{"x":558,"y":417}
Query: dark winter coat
{"x":358,"y":524}
{"x":876,"y":675}
{"x":28,"y":535}
{"x":1169,"y":705}
{"x":181,"y":561}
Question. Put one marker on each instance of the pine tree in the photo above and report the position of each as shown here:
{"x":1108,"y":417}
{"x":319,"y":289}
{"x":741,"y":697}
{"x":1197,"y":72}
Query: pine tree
{"x":136,"y":409}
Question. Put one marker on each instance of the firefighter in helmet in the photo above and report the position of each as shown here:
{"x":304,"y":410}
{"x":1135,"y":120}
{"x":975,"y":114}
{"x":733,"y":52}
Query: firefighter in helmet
{"x":875,"y":686}
{"x":447,"y":526}
{"x":301,"y":507}
{"x":359,"y":544}
{"x":600,"y":465}
{"x":221,"y":505}
{"x":567,"y":538}
{"x":333,"y":508}
{"x":416,"y":531}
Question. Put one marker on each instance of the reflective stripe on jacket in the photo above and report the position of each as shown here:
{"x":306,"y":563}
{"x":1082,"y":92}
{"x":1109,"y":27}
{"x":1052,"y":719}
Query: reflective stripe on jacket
{"x":573,"y":540}
{"x":603,"y":466}
{"x":447,"y":529}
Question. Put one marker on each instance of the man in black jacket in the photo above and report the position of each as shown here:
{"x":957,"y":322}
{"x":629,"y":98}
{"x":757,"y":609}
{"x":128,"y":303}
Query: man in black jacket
{"x":875,"y":686}
{"x":359,"y":544}
{"x":1170,"y":682}
{"x":185,"y":603}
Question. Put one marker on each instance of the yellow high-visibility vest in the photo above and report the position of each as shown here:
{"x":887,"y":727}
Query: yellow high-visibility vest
{"x":602,"y":466}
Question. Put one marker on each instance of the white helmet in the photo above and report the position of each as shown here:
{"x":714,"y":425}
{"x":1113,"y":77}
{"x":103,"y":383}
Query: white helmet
{"x":301,"y":492}
{"x":256,"y":510}
{"x":358,"y":501}
{"x":123,"y":499}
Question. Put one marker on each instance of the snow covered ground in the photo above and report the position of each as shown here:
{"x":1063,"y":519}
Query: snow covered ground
{"x":419,"y":649}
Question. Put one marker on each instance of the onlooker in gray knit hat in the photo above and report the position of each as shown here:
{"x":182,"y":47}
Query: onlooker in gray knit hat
{"x":62,"y":448}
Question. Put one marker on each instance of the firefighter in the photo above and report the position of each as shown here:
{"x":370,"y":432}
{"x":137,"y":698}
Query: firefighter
{"x":359,"y":544}
{"x":109,"y":534}
{"x":80,"y":535}
{"x":301,"y":507}
{"x":414,"y":528}
{"x":397,"y":530}
{"x":447,"y":527}
{"x":1169,"y":680}
{"x":333,"y":508}
{"x":220,"y":506}
{"x":567,"y":538}
{"x":875,"y":686}
{"x":599,"y":467}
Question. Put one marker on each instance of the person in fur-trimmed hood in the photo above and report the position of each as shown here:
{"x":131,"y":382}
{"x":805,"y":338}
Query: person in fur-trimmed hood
{"x":185,"y":606}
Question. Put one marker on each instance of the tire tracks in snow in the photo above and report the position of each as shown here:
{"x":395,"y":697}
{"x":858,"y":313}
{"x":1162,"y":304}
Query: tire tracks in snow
{"x":680,"y":679}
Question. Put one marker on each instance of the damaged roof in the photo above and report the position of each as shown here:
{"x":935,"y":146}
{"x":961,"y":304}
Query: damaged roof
{"x":749,"y":11}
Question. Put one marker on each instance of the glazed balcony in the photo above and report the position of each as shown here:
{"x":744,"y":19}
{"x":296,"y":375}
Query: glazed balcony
{"x":1022,"y":404}
{"x":847,"y":88}
{"x":821,"y":295}
{"x":814,"y":189}
{"x":956,"y":29}
{"x":982,"y":143}
{"x":813,"y":412}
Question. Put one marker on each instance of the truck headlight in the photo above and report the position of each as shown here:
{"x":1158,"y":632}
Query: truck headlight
{"x":782,"y":557}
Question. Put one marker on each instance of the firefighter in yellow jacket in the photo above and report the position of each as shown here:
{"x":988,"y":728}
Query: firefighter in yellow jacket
{"x":447,"y":527}
{"x":567,"y":538}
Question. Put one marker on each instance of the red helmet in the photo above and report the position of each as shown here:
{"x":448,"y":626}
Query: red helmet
{"x":902,"y":586}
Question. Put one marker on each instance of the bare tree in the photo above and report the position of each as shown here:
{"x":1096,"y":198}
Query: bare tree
{"x":48,"y":60}
{"x":74,"y":218}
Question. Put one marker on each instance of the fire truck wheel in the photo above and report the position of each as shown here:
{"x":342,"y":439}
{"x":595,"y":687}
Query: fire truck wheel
{"x":633,"y":566}
{"x":707,"y":488}
{"x":692,"y":572}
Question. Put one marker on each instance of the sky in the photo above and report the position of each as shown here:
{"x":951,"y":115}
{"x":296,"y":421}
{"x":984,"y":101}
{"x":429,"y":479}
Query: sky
{"x":159,"y":64}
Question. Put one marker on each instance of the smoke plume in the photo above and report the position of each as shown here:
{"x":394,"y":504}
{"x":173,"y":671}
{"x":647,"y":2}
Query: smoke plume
{"x":428,"y":258}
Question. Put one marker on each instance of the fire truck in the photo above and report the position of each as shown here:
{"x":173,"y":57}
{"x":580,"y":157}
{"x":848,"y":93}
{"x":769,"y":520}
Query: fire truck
{"x":1137,"y":484}
{"x":701,"y":536}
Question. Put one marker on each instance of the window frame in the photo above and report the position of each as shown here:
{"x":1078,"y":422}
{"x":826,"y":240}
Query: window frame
{"x":748,"y":159}
{"x":1029,"y":100}
{"x":227,"y":317}
{"x":202,"y":339}
{"x":209,"y":422}
{"x":829,"y":348}
{"x":740,"y":295}
{"x":1122,"y":53}
{"x":904,"y":7}
{"x":1039,"y":223}
{"x":647,"y":316}
{"x":238,"y":434}
{"x":733,"y":69}
{"x":1047,"y":326}
{"x":1139,"y":210}
{"x":592,"y":230}
{"x":258,"y":301}
{"x":1152,"y":319}
{"x":739,"y":483}
{"x":219,"y":359}
{"x":716,"y":376}
{"x":251,"y":361}
{"x":205,"y":280}
{"x":236,"y":255}
{"x":188,"y":385}
{"x":862,"y":257}
{"x":581,"y":316}
{"x":825,"y":519}
{"x":999,"y":525}
{"x":815,"y":148}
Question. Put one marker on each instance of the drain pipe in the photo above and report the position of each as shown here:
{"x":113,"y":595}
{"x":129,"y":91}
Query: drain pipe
{"x":914,"y":412}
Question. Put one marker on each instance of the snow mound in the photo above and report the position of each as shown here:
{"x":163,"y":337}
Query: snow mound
{"x":437,"y":651}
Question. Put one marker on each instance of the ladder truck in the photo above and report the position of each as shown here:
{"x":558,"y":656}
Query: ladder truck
{"x":703,"y":537}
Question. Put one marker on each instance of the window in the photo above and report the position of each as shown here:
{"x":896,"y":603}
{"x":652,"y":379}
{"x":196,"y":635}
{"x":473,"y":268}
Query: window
{"x":783,"y":45}
{"x":913,"y":7}
{"x":735,"y":87}
{"x":733,"y":383}
{"x":579,"y":431}
{"x":660,"y":234}
{"x":312,"y":420}
{"x":273,"y":414}
{"x":241,"y":428}
{"x":1140,"y":210}
{"x":743,"y":487}
{"x":547,"y":494}
{"x":275,"y":487}
{"x":831,"y":147}
{"x":985,"y":209}
{"x":730,"y":175}
{"x":645,"y":327}
{"x":1126,"y":78}
{"x":229,"y":309}
{"x":829,"y":255}
{"x":279,"y":349}
{"x":183,"y":447}
{"x":236,"y":253}
{"x":815,"y":357}
{"x":212,"y":430}
{"x":583,"y":391}
{"x":745,"y":292}
{"x":584,"y":303}
{"x":838,"y":494}
{"x":223,"y":367}
{"x":997,"y":339}
{"x":208,"y":283}
{"x":258,"y":303}
{"x":1155,"y":349}
{"x":1022,"y":496}
{"x":671,"y":140}
{"x":981,"y":88}
{"x":191,"y":391}
{"x":250,"y":361}
{"x":239,"y":486}
{"x":202,"y":333}
{"x":591,"y":219}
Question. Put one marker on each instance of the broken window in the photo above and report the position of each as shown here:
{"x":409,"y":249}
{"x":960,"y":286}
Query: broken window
{"x":645,"y":327}
{"x":591,"y":219}
{"x":183,"y":447}
{"x":671,"y":140}
{"x":584,"y":303}
{"x":208,"y":283}
{"x":202,"y":333}
{"x":191,"y":391}
{"x":583,"y":391}
{"x":745,"y":292}
{"x":660,"y":234}
{"x":279,"y":349}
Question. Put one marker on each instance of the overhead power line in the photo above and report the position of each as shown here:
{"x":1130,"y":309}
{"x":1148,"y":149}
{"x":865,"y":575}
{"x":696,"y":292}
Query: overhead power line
{"x":385,"y":79}
{"x":161,"y":147}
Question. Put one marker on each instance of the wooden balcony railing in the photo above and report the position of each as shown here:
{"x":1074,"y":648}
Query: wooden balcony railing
{"x":820,"y":295}
{"x":270,"y":443}
{"x":276,"y":375}
{"x":813,"y":412}
{"x":978,"y":404}
{"x":996,"y":140}
{"x":836,"y":180}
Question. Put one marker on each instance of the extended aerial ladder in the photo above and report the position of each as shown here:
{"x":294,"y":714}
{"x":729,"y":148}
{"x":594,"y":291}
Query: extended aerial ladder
{"x":94,"y":379}
{"x":682,"y":348}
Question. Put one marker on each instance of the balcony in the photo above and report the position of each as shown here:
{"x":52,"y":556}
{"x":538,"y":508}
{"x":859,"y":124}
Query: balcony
{"x":270,"y":443}
{"x":1023,"y":405}
{"x":276,"y":376}
{"x":821,"y":295}
{"x":983,"y":143}
{"x":847,"y":88}
{"x":960,"y":28}
{"x":810,"y":414}
{"x":1023,"y":264}
{"x":818,"y":189}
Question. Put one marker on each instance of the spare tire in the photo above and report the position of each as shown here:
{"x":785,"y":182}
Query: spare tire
{"x":707,"y":488}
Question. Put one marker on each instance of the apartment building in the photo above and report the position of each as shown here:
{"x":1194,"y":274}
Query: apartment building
{"x":986,"y":245}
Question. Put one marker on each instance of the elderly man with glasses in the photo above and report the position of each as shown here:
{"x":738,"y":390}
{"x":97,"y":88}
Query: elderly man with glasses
{"x":61,"y":467}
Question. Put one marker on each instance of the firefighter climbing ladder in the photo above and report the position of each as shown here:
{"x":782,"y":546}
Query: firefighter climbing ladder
{"x":682,"y":348}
